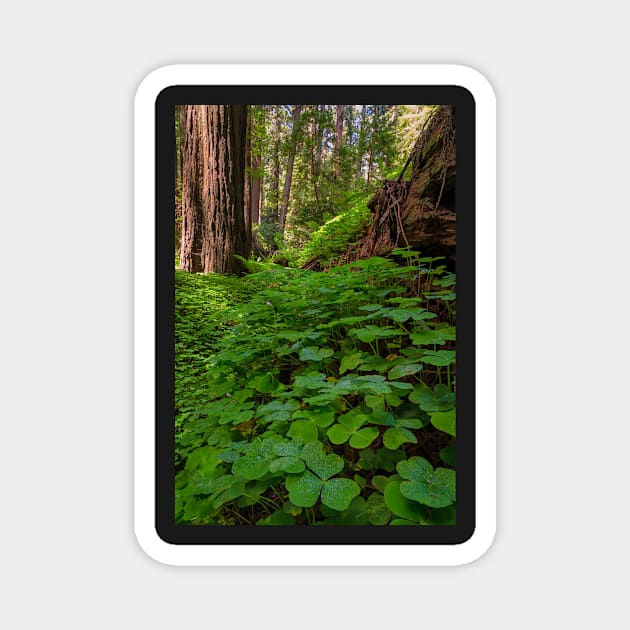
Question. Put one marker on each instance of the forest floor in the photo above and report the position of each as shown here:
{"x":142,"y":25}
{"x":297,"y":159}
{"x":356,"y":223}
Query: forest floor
{"x":316,"y":397}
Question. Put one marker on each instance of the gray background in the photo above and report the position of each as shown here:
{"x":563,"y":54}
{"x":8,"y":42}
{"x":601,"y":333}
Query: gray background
{"x":69,"y":72}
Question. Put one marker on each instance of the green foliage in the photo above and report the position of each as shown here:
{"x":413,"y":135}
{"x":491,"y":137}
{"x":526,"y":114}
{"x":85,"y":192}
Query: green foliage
{"x":267,"y":233}
{"x":255,"y":266}
{"x":334,"y":237}
{"x":316,"y":398}
{"x":435,"y":488}
{"x":409,"y":124}
{"x":323,"y":172}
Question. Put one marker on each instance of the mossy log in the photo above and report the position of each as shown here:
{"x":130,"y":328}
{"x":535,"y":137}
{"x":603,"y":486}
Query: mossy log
{"x":428,"y":216}
{"x":418,"y":212}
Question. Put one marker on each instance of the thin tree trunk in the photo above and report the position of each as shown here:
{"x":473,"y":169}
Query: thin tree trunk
{"x":256,"y":188}
{"x":368,"y":170}
{"x":247,"y":208}
{"x":256,"y":168}
{"x":320,"y":138}
{"x":338,"y":140}
{"x":275,"y":170}
{"x":372,"y":133}
{"x":314,"y":161}
{"x":361,"y":143}
{"x":286,"y":193}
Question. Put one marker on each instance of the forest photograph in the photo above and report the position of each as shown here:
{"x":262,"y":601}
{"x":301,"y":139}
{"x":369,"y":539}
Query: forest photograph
{"x":315,"y":315}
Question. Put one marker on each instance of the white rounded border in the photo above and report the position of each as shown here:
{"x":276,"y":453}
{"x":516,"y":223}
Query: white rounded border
{"x":144,"y":316}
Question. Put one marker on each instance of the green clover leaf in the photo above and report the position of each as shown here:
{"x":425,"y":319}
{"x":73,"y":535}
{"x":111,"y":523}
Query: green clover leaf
{"x":305,"y":430}
{"x":444,"y":421}
{"x":288,"y":449}
{"x":290,"y":464}
{"x":252,"y":466}
{"x":438,"y":399}
{"x":324,"y":466}
{"x":370,"y":332}
{"x":351,"y":361}
{"x":354,"y":514}
{"x":321,"y":416}
{"x":400,"y":505}
{"x":405,"y":369}
{"x":378,"y":512}
{"x":313,"y":353}
{"x":258,"y":455}
{"x":435,"y":488}
{"x":441,"y":357}
{"x":349,"y":428}
{"x":395,"y":436}
{"x":266,"y":383}
{"x":338,"y":493}
{"x":363,"y":437}
{"x":304,"y":489}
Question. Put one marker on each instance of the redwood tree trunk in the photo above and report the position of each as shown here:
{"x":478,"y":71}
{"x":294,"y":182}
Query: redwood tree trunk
{"x":213,"y":181}
{"x":179,"y":132}
{"x":194,"y":166}
{"x":290,"y":161}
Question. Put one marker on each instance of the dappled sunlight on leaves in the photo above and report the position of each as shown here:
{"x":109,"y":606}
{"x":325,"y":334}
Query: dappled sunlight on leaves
{"x":316,"y":397}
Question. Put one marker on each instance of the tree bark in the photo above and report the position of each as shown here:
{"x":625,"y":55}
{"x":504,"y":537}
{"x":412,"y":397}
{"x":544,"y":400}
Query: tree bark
{"x":361,"y":143}
{"x":286,"y":193}
{"x":370,"y":152}
{"x":247,"y":208}
{"x":316,"y":150}
{"x":179,"y":131}
{"x":256,"y":188}
{"x":319,"y":130}
{"x":421,"y":212}
{"x":213,"y":181}
{"x":256,"y":168}
{"x":429,"y":214}
{"x":194,"y":157}
{"x":338,"y":140}
{"x":274,"y":202}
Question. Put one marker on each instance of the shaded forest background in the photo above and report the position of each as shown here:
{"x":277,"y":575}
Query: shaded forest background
{"x":308,"y":173}
{"x":315,"y":309}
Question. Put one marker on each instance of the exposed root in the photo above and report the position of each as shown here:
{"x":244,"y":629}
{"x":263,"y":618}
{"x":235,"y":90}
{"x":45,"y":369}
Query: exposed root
{"x":419,"y":212}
